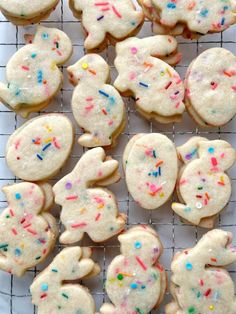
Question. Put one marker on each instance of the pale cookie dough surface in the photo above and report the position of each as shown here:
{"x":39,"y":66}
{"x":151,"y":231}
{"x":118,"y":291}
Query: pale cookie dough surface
{"x":32,"y":73}
{"x":150,"y":164}
{"x":118,"y":19}
{"x":213,"y":74}
{"x":201,"y":16}
{"x":40,"y":147}
{"x":27,"y":233}
{"x":97,"y":107}
{"x":52,"y":295}
{"x":203,"y":185}
{"x":26,"y":9}
{"x":86,"y":207}
{"x":136,"y":282}
{"x":200,"y":284}
{"x":157,"y":87}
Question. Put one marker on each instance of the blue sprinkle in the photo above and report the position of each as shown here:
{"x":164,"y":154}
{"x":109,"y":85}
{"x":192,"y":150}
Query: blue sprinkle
{"x":54,"y":270}
{"x":211,"y":150}
{"x":171,"y":5}
{"x":47,"y":146}
{"x":204,"y":12}
{"x":17,"y":92}
{"x":40,"y":76}
{"x":100,"y":18}
{"x":39,"y":157}
{"x":138,"y":245}
{"x":133,"y":285}
{"x":133,"y":23}
{"x":187,"y":209}
{"x":44,"y":287}
{"x":18,"y":196}
{"x":112,"y":100}
{"x":17,"y":252}
{"x":45,"y":35}
{"x":143,"y":287}
{"x":33,"y":55}
{"x":103,"y":93}
{"x":143,"y":84}
{"x":189,"y":266}
{"x":223,"y":21}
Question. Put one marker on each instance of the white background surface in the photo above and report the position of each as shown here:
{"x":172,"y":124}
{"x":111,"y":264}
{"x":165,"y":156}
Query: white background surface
{"x":14,"y":292}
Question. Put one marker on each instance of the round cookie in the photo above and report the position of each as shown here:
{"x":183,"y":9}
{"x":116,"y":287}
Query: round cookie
{"x":199,"y":282}
{"x":86,"y":206}
{"x":26,"y":12}
{"x":107,"y":21}
{"x":97,"y":107}
{"x":203,"y":186}
{"x":212,"y":74}
{"x":27,"y":232}
{"x":32,"y":73}
{"x":55,"y":289}
{"x":136,"y":282}
{"x":156,"y":86}
{"x":150,"y":165}
{"x":39,"y":148}
{"x":200,"y":16}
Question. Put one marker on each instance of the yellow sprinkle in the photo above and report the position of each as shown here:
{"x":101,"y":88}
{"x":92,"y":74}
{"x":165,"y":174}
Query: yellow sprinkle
{"x":162,"y":194}
{"x":22,"y":245}
{"x":222,"y":179}
{"x":84,"y":66}
{"x":112,"y":280}
{"x":100,"y":206}
{"x":82,"y":210}
{"x":48,"y":140}
{"x":162,"y":73}
{"x":211,"y":307}
{"x":126,"y":274}
{"x":120,"y":284}
{"x":168,"y":71}
{"x":53,"y":66}
{"x":48,"y":128}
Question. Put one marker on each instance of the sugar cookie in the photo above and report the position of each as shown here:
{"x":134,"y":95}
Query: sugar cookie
{"x":212,"y":74}
{"x":27,"y":232}
{"x":136,"y":282}
{"x":156,"y":86}
{"x":203,"y":186}
{"x":54,"y":290}
{"x":26,"y":12}
{"x":97,"y":107}
{"x":150,"y":165}
{"x":32,"y":73}
{"x":200,"y":16}
{"x":86,"y":207}
{"x":107,"y":21}
{"x":199,"y":283}
{"x":39,"y":148}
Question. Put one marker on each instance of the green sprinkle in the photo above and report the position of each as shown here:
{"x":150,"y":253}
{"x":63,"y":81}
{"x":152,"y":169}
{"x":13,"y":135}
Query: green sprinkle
{"x":38,"y":257}
{"x":65,"y":296}
{"x":138,"y":310}
{"x":120,"y":277}
{"x":200,"y":188}
{"x":191,"y":310}
{"x":7,"y":216}
{"x":59,"y":307}
{"x":54,"y":270}
{"x":3,"y":246}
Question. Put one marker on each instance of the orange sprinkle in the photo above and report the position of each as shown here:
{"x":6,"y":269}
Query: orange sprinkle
{"x":92,"y":71}
{"x":160,"y":162}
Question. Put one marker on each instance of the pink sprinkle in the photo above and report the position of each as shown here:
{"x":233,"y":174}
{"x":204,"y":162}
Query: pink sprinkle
{"x":214,"y":85}
{"x":132,"y":76}
{"x":80,"y":225}
{"x":12,"y":213}
{"x":105,"y":9}
{"x":56,"y":144}
{"x":222,"y":155}
{"x":31,"y":231}
{"x":71,"y":197}
{"x":99,"y":200}
{"x":110,"y":122}
{"x":88,"y":108}
{"x":17,"y":144}
{"x":59,"y":53}
{"x":26,"y":226}
{"x":14,"y":231}
{"x":144,"y":267}
{"x":134,"y":50}
{"x":89,"y":99}
{"x":177,"y":105}
{"x":25,"y":68}
{"x":234,"y":88}
{"x":101,"y":3}
{"x":44,"y":251}
{"x":98,"y":216}
{"x":116,"y":12}
{"x":214,"y":161}
{"x":183,"y":181}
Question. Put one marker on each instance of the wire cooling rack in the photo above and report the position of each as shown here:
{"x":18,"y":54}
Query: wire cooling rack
{"x":14,"y":293}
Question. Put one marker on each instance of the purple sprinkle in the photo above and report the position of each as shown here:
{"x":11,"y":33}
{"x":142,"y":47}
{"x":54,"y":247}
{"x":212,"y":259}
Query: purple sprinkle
{"x":99,"y":18}
{"x":68,"y":185}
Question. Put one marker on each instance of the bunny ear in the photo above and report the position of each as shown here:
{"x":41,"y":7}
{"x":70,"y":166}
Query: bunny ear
{"x":189,"y":151}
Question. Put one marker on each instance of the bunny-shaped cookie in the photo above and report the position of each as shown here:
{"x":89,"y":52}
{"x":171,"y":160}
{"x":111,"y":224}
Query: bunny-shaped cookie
{"x":86,"y":208}
{"x":156,"y":86}
{"x":199,"y":283}
{"x":106,"y":21}
{"x":53,"y":296}
{"x":33,"y":76}
{"x":203,"y":186}
{"x":136,"y":283}
{"x":97,"y":107}
{"x":27,"y":233}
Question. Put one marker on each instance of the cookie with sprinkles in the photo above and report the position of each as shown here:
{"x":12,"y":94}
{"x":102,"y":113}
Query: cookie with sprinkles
{"x":54,"y":290}
{"x":97,"y":107}
{"x":87,"y":207}
{"x":107,"y":21}
{"x":27,"y":231}
{"x":200,"y":16}
{"x":212,"y":74}
{"x":32,"y":73}
{"x":39,"y":148}
{"x":151,"y":167}
{"x":156,"y":86}
{"x":26,"y":12}
{"x":199,"y":282}
{"x":203,"y":187}
{"x":136,"y":282}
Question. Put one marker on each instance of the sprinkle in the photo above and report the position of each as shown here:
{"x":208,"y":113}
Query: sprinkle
{"x":100,"y":17}
{"x":160,"y":162}
{"x":103,"y":93}
{"x":104,"y":112}
{"x":214,"y":260}
{"x":44,"y":295}
{"x":98,"y":216}
{"x":17,"y":252}
{"x":120,"y":277}
{"x":143,"y":84}
{"x":25,"y":68}
{"x":46,"y":146}
{"x":227,"y":73}
{"x":92,"y":71}
{"x":116,"y":12}
{"x":214,"y":85}
{"x":187,"y":209}
{"x":40,"y":76}
{"x":144,"y":267}
{"x":37,"y":258}
{"x":221,"y":182}
{"x":3,"y":246}
{"x":189,"y":266}
{"x":80,"y":225}
{"x":11,"y":212}
{"x":54,"y":270}
{"x":211,"y":150}
{"x":134,"y":50}
{"x":33,"y":55}
{"x":133,"y":285}
{"x":39,"y":157}
{"x":71,"y":197}
{"x":171,"y":5}
{"x":211,"y":307}
{"x":18,"y":196}
{"x":31,"y":231}
{"x":191,"y":310}
{"x":168,"y":85}
{"x":85,"y":66}
{"x":125,"y":275}
{"x":14,"y":231}
{"x":207,"y":293}
{"x":45,"y":35}
{"x":44,"y":287}
{"x":138,"y":245}
{"x":214,"y":161}
{"x":68,"y":186}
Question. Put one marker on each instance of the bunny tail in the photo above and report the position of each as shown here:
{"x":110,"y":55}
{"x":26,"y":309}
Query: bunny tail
{"x":6,"y":96}
{"x":88,"y":140}
{"x":185,"y":212}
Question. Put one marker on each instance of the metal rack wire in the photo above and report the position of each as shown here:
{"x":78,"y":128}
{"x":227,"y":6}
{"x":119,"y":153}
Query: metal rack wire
{"x":14,"y":294}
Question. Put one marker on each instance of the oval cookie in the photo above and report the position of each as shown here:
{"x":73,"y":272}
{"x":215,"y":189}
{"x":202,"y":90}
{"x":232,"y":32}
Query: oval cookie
{"x":212,"y":74}
{"x":150,"y":165}
{"x":39,"y":148}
